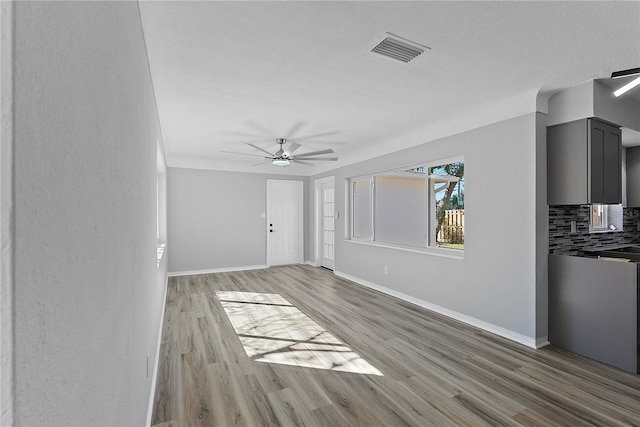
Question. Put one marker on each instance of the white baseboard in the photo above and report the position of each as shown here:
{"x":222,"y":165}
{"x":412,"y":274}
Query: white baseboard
{"x":542,"y":342}
{"x":481,"y":324}
{"x":215,"y":270}
{"x":311,"y":263}
{"x":156,"y":362}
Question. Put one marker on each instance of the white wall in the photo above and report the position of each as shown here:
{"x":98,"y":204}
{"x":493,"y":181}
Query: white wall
{"x":496,"y":281}
{"x":88,"y":295}
{"x":214,"y":219}
{"x":571,"y":104}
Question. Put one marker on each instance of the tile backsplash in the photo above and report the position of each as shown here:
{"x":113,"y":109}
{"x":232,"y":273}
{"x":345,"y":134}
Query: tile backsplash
{"x":562,"y":241}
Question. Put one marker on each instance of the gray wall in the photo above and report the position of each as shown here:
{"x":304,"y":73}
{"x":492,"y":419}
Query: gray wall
{"x":88,"y":295}
{"x":214,"y":219}
{"x":496,"y":281}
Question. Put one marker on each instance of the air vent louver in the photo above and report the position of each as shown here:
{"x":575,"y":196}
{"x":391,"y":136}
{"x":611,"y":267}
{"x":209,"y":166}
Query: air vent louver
{"x":400,"y":50}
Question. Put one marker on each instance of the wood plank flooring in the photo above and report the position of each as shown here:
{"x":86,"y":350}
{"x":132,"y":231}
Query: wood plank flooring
{"x":435,"y":370}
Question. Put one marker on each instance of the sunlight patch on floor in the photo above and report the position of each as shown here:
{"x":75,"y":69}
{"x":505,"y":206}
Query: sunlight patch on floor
{"x":255,"y":297}
{"x":272,"y":330}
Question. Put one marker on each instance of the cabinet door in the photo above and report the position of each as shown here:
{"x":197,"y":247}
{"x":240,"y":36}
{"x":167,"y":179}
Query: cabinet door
{"x":606,"y":163}
{"x":633,"y":177}
{"x":567,"y":159}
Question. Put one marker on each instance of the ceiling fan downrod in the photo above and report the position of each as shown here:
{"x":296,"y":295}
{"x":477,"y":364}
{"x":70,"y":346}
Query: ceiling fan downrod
{"x":280,"y":153}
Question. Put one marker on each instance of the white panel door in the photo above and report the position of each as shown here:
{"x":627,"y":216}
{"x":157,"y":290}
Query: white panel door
{"x":285,"y":236}
{"x":327,"y":231}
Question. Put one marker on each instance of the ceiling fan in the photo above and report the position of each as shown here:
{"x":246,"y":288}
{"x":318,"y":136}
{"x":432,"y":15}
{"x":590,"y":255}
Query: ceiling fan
{"x":284,"y":156}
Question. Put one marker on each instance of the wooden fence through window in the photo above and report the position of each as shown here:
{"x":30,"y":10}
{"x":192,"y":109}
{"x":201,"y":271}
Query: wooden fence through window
{"x":452,"y":229}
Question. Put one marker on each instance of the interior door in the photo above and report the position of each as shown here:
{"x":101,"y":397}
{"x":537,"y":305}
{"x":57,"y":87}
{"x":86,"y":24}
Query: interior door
{"x":327,"y":223}
{"x":285,"y":236}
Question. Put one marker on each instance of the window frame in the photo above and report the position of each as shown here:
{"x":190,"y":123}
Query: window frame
{"x":430,"y":214}
{"x":351,"y":183}
{"x":608,"y":218}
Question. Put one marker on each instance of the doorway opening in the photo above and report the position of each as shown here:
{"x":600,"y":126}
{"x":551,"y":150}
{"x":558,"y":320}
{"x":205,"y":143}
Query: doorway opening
{"x":325,"y":222}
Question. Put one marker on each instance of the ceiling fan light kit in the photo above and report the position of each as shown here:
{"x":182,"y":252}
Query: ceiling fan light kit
{"x":281,"y":162}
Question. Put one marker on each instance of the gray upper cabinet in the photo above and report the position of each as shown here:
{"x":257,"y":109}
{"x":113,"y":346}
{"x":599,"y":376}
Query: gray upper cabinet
{"x":584,"y":163}
{"x":633,"y":177}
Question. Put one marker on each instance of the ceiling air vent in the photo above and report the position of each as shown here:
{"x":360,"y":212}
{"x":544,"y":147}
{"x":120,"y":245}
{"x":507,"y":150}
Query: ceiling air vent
{"x":397,"y":48}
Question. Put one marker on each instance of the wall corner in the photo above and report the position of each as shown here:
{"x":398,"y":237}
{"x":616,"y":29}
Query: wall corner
{"x":7,"y":285}
{"x":542,"y":228}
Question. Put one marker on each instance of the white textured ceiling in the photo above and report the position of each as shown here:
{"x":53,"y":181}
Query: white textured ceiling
{"x":226,"y":73}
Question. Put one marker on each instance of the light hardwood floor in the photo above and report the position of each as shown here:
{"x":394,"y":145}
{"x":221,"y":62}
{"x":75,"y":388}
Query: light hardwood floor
{"x":243,"y":358}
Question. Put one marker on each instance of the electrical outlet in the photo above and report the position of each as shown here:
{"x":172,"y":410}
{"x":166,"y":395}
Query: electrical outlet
{"x":574,"y":227}
{"x":147,"y":365}
{"x":386,"y":269}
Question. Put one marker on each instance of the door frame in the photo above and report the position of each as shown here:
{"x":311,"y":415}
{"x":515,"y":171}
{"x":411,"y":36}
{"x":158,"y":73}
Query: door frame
{"x":300,"y":255}
{"x":318,"y":183}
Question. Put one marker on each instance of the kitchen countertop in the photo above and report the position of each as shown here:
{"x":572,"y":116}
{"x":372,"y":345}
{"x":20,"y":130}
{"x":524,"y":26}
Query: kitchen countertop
{"x":608,"y":247}
{"x":612,"y":253}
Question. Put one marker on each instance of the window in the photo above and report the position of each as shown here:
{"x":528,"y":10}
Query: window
{"x":401,"y":208}
{"x":361,"y":209}
{"x":605,"y":218}
{"x":420,"y":206}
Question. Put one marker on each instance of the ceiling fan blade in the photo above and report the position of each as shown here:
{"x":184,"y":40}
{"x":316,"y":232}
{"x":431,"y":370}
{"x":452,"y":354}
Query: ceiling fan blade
{"x":246,"y":140}
{"x":315,"y":153}
{"x":300,"y":138}
{"x":258,"y":164}
{"x":258,"y":127}
{"x":295,"y":128}
{"x":291,"y":148}
{"x":244,"y":154}
{"x":322,"y":142}
{"x":302,"y":162}
{"x":326,"y":159}
{"x":258,"y":148}
{"x":242,"y":134}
